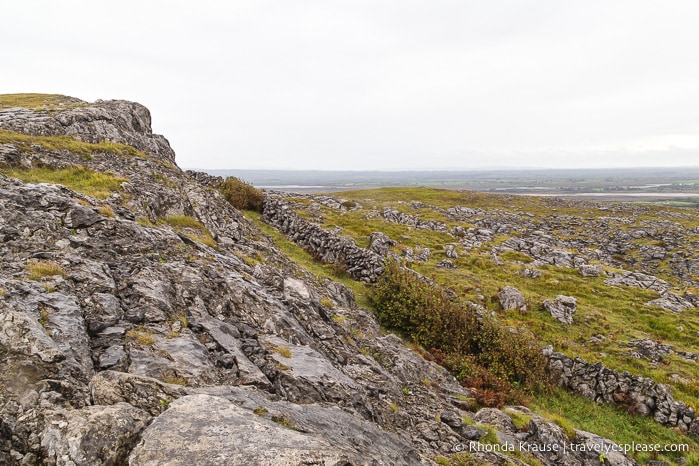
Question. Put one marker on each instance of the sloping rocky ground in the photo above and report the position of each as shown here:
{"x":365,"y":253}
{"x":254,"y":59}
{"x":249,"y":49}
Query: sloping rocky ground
{"x":159,"y":326}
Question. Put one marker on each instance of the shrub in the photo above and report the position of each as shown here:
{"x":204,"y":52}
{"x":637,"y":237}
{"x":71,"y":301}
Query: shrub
{"x":501,"y":364}
{"x":241,"y":195}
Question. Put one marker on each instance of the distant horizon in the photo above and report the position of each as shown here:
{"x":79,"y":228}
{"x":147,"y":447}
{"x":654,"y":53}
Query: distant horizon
{"x":449,"y":169}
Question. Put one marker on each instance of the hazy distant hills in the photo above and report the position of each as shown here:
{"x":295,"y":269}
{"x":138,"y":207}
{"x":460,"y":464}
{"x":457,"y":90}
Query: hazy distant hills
{"x":683,"y":180}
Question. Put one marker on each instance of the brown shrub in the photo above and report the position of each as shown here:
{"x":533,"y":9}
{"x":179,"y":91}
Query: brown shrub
{"x":241,"y":195}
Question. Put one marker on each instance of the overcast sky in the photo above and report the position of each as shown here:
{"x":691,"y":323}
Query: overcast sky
{"x":378,"y":84}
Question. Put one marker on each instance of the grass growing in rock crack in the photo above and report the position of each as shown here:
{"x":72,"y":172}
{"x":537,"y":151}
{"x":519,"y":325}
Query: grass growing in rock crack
{"x":88,"y":150}
{"x":106,"y":210}
{"x":78,"y":178}
{"x":191,"y":228}
{"x":142,"y":335}
{"x":42,"y":269}
{"x":285,"y":421}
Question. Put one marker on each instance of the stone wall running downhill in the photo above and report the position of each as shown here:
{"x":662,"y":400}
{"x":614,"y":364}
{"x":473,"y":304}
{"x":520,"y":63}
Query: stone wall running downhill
{"x":603,"y":385}
{"x":361,"y":264}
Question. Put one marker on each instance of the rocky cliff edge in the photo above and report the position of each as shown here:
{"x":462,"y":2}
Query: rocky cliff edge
{"x":153,"y":324}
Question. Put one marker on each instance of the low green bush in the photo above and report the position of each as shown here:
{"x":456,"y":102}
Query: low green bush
{"x":241,"y":195}
{"x":503,"y":365}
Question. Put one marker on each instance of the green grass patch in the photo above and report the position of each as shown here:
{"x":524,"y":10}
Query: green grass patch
{"x":78,"y":178}
{"x":192,"y":228}
{"x":615,"y":424}
{"x":56,"y":143}
{"x":40,"y":102}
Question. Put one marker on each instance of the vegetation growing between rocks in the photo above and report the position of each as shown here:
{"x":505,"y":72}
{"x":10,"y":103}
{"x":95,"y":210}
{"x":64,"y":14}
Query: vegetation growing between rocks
{"x":191,"y":228}
{"x":42,"y":269}
{"x":616,"y":424}
{"x":78,"y":178}
{"x":616,"y":312}
{"x":241,"y":195}
{"x":57,"y":143}
{"x":501,"y":364}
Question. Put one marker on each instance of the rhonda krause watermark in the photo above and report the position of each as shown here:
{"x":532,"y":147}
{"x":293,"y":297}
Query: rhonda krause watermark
{"x":604,"y":448}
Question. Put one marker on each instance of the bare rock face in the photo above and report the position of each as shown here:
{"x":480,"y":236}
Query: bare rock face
{"x":205,"y":429}
{"x":562,"y":308}
{"x":111,"y":120}
{"x":510,"y":298}
{"x":93,"y":434}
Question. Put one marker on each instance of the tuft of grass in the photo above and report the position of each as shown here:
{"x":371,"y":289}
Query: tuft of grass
{"x":25,"y":142}
{"x":142,"y":335}
{"x":192,"y":228}
{"x":2,"y":292}
{"x":44,"y":317}
{"x":520,"y":420}
{"x":284,"y":421}
{"x":175,"y":380}
{"x":260,"y":411}
{"x":78,"y":178}
{"x":41,"y":269}
{"x":281,"y":367}
{"x":184,"y":221}
{"x":327,"y":302}
{"x":106,"y":210}
{"x":283,"y":351}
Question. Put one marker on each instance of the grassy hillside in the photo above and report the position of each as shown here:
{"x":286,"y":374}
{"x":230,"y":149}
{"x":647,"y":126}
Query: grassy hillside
{"x":607,"y":316}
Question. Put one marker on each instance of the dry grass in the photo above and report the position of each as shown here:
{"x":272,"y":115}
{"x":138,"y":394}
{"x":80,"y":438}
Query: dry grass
{"x":283,"y":351}
{"x":141,"y":335}
{"x":42,"y":269}
{"x":106,"y":210}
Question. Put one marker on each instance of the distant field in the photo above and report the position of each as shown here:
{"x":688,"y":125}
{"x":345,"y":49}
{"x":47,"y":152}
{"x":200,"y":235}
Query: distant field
{"x":671,"y":186}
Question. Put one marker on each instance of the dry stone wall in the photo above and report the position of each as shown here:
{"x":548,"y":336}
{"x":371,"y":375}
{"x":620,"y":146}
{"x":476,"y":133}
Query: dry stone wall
{"x":361,"y":264}
{"x":603,"y":385}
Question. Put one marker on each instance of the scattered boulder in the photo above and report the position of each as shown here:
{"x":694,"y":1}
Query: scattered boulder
{"x":511,"y":299}
{"x":590,"y":270}
{"x":446,"y":264}
{"x":562,"y":308}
